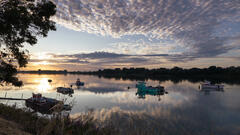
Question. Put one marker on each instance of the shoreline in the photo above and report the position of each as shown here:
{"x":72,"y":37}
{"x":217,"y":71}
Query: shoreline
{"x":28,"y":123}
{"x":214,"y":78}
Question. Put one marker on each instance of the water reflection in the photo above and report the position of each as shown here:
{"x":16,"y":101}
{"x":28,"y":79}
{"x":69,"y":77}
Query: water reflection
{"x":208,"y":91}
{"x":102,"y":90}
{"x":184,"y":110}
{"x":43,"y":85}
{"x":142,"y":94}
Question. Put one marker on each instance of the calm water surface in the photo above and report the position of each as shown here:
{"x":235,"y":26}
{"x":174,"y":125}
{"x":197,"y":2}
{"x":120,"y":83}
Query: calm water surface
{"x":184,"y":110}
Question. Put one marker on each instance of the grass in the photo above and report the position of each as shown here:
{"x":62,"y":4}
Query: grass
{"x":58,"y":124}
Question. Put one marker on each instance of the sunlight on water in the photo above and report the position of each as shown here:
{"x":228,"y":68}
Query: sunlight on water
{"x":116,"y":100}
{"x":43,"y":85}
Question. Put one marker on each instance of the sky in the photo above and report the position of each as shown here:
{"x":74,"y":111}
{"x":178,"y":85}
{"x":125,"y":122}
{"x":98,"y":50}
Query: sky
{"x":98,"y":34}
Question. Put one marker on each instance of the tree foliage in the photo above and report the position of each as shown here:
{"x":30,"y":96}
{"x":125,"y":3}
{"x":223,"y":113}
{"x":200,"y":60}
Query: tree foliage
{"x":230,"y":75}
{"x":21,"y":22}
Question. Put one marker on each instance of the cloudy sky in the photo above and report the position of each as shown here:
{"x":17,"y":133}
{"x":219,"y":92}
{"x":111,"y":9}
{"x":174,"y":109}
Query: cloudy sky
{"x":96,"y":34}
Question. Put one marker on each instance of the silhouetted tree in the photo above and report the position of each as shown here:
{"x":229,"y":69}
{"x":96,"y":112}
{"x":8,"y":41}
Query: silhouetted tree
{"x":21,"y":22}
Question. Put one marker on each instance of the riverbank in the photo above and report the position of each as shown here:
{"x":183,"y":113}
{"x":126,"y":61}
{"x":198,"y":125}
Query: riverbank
{"x":25,"y":122}
{"x":11,"y":128}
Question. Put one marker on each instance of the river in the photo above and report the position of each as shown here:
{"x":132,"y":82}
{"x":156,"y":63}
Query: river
{"x":183,"y":110}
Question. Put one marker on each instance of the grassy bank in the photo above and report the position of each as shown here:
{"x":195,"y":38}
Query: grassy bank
{"x":58,"y":124}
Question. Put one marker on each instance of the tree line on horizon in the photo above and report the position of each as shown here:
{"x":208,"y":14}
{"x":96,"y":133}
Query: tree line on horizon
{"x":212,"y":70}
{"x":214,"y":74}
{"x":230,"y":75}
{"x":178,"y":71}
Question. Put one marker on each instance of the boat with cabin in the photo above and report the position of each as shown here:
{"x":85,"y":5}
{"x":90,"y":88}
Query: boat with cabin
{"x":64,"y":90}
{"x":142,"y":87}
{"x":39,"y":103}
{"x":144,"y":90}
{"x":46,"y":105}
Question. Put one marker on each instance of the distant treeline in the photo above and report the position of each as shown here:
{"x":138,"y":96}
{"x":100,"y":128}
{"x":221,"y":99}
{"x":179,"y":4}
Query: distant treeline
{"x":214,"y":74}
{"x":230,"y":75}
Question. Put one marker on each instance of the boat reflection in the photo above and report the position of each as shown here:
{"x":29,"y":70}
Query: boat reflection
{"x":79,"y":87}
{"x":207,"y":91}
{"x":142,"y":94}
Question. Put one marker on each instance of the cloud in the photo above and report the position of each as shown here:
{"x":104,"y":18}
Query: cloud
{"x":60,"y":60}
{"x":99,"y":55}
{"x":101,"y":60}
{"x":77,"y":61}
{"x":202,"y":26}
{"x":142,"y":47}
{"x":102,"y":90}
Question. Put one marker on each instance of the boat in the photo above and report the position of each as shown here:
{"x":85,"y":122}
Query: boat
{"x":144,"y":90}
{"x":142,"y":87}
{"x":41,"y":104}
{"x":208,"y":85}
{"x":46,"y":105}
{"x":64,"y":90}
{"x":79,"y":83}
{"x":49,"y":80}
{"x":60,"y":107}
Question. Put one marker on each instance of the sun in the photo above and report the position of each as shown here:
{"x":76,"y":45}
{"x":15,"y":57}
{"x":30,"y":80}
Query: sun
{"x":42,"y":63}
{"x":42,"y":58}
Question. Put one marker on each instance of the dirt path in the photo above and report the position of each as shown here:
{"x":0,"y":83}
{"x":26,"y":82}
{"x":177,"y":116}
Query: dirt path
{"x":10,"y":128}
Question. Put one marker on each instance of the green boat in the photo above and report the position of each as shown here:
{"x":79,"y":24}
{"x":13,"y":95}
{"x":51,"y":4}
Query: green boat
{"x":149,"y":89}
{"x":144,"y":90}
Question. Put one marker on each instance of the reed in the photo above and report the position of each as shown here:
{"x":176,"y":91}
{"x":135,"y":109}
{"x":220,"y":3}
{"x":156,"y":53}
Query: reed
{"x":57,"y":124}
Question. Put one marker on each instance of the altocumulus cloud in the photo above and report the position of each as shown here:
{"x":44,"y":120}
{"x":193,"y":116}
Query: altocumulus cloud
{"x":100,"y":60}
{"x":204,"y":26}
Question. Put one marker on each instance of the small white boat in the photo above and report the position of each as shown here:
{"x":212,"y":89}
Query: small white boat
{"x":64,"y":90}
{"x":208,"y":85}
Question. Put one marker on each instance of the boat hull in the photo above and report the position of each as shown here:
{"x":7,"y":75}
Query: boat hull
{"x":42,"y":107}
{"x":65,"y":90}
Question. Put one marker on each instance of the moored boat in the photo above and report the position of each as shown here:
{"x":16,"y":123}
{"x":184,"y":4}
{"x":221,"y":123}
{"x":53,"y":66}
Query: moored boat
{"x":49,"y":80}
{"x":144,"y":90}
{"x":79,"y":83}
{"x":41,"y":104}
{"x":64,"y":90}
{"x":142,"y":87}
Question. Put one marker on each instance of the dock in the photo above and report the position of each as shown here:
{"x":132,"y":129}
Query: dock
{"x":9,"y":98}
{"x":3,"y":98}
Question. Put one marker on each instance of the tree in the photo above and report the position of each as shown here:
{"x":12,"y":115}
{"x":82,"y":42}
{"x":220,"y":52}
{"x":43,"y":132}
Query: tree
{"x":21,"y":22}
